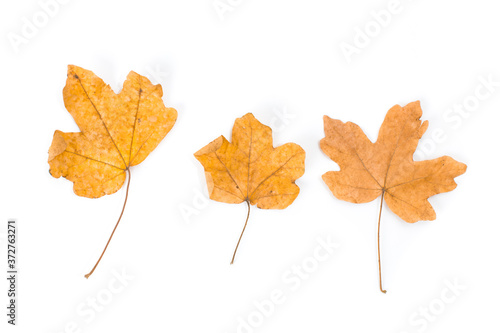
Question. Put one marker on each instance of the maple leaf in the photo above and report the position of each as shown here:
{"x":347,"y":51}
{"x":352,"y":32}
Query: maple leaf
{"x":117,"y":131}
{"x":386,"y":168}
{"x":250,"y":169}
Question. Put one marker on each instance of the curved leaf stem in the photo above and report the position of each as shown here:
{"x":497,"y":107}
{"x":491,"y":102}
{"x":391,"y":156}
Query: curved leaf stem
{"x":109,"y":240}
{"x":248,"y":215}
{"x":378,"y":244}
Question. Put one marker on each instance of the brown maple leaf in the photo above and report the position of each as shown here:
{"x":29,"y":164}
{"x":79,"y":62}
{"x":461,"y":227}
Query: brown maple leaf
{"x":386,"y":168}
{"x":117,"y":131}
{"x":250,"y":169}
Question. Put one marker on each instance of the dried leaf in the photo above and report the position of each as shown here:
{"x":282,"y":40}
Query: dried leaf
{"x":249,"y":168}
{"x":117,"y":131}
{"x":386,"y":168}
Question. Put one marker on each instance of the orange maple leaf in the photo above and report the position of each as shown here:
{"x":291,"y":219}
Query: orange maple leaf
{"x":117,"y":131}
{"x":250,"y":169}
{"x":386,"y":167}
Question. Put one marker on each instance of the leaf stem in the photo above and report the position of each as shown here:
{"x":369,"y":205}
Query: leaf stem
{"x":248,"y":215}
{"x":109,"y":240}
{"x":378,"y":243}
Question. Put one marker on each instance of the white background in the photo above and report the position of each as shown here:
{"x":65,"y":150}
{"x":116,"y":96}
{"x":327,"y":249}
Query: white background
{"x":264,"y":57}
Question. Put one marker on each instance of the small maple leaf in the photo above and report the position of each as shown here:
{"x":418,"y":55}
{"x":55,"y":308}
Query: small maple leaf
{"x":250,"y":169}
{"x":117,"y":131}
{"x":386,"y":168}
